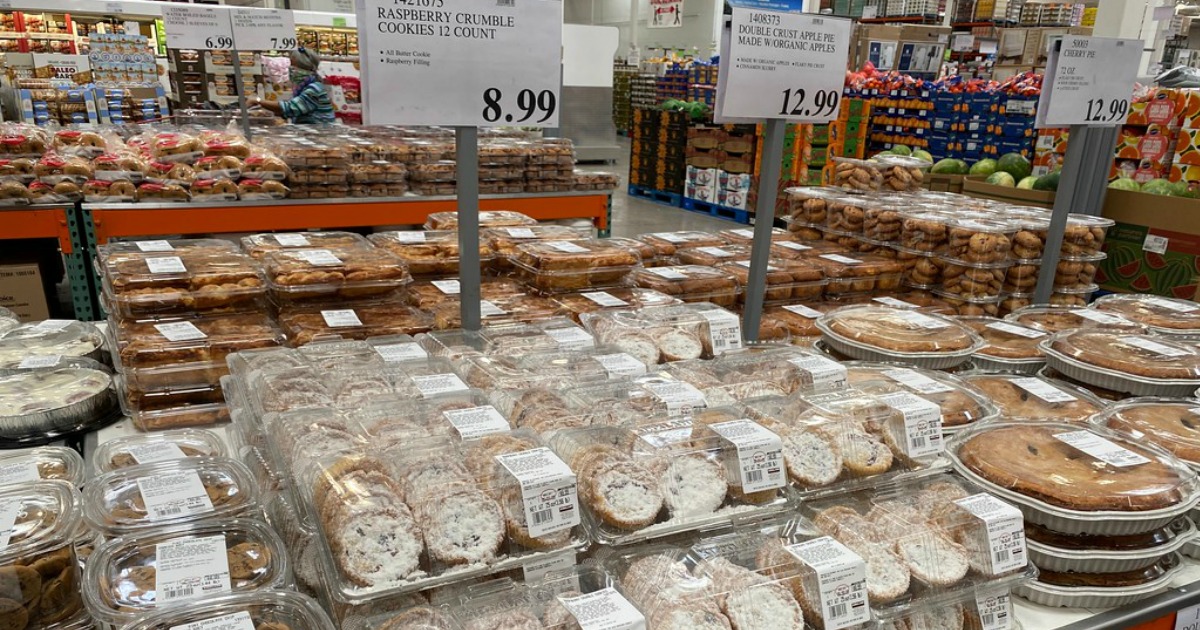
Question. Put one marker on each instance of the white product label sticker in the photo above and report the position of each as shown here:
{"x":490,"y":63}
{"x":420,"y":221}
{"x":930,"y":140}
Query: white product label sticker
{"x":916,"y":381}
{"x":759,"y":464}
{"x":1155,"y":244}
{"x":671,"y":237}
{"x":520,"y":232}
{"x":1171,"y":305}
{"x":1160,"y":349}
{"x":803,"y":311}
{"x":9,"y":509}
{"x":681,"y":399}
{"x":1102,"y":449}
{"x":535,"y":570}
{"x":292,"y":239}
{"x":174,"y":495}
{"x":318,"y":257}
{"x":1005,"y":527}
{"x":604,"y":298}
{"x":746,"y":264}
{"x":664,"y":434}
{"x":566,"y":247}
{"x":401,"y":352}
{"x":724,"y":330}
{"x":235,"y":621}
{"x":180,"y":331}
{"x":548,"y":490}
{"x":1043,"y":390}
{"x":341,"y":318}
{"x":715,"y":251}
{"x":841,"y":579}
{"x":571,"y":338}
{"x":670,"y":273}
{"x":154,"y":246}
{"x":895,"y":303}
{"x":476,"y":422}
{"x":922,"y":424}
{"x":449,"y":287}
{"x":151,"y":452}
{"x":799,"y":247}
{"x":191,"y":568}
{"x":743,"y":233}
{"x":621,"y":364}
{"x":825,"y":373}
{"x":1099,"y":317}
{"x":488,"y":309}
{"x":434,"y":384}
{"x":51,"y":325}
{"x":838,"y":258}
{"x":1013,"y":329}
{"x":165,"y":264}
{"x":604,"y":610}
{"x":24,"y":470}
{"x":410,"y":237}
{"x":921,"y":320}
{"x":39,"y":362}
{"x":994,"y":608}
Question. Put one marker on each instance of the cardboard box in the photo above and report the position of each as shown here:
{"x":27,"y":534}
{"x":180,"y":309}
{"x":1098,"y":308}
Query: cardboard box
{"x":22,"y":292}
{"x":914,"y":49}
{"x":1129,"y":267}
{"x":938,"y":182}
{"x":975,"y":186}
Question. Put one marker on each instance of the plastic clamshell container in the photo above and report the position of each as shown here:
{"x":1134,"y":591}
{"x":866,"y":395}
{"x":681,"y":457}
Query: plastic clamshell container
{"x":786,"y":279}
{"x":565,"y":266}
{"x":174,"y":408}
{"x":745,"y":236}
{"x":504,"y":241}
{"x":1055,"y":319}
{"x":902,"y":173}
{"x":642,"y":483}
{"x":711,"y":255}
{"x":131,"y":450}
{"x":275,"y":609}
{"x":1022,"y":397}
{"x":259,"y":245}
{"x":666,"y":244}
{"x":44,"y":463}
{"x":809,"y":207}
{"x":539,"y":601}
{"x":961,"y":403}
{"x":880,"y":333}
{"x":1085,"y":234}
{"x":416,"y":496}
{"x":122,"y":574}
{"x":1075,"y":479}
{"x":1010,"y":347}
{"x":1157,"y":579}
{"x":1165,"y":316}
{"x":427,"y":253}
{"x":51,"y":338}
{"x":756,"y":372}
{"x":487,"y":219}
{"x":188,"y":278}
{"x":180,"y":352}
{"x":974,"y":282}
{"x":857,"y":176}
{"x":1172,"y":424}
{"x":519,"y":308}
{"x":1141,"y":365}
{"x":858,"y":273}
{"x":846,"y":214}
{"x":660,"y":334}
{"x":1099,"y":559}
{"x":301,"y":275}
{"x":8,"y":319}
{"x":303,"y":324}
{"x":35,"y":404}
{"x":40,"y":556}
{"x":690,"y":283}
{"x":560,"y":367}
{"x":621,"y":298}
{"x":114,"y":504}
{"x":649,"y":254}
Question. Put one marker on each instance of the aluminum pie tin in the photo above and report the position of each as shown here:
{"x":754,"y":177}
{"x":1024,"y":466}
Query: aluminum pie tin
{"x":64,"y":418}
{"x":1116,"y":380}
{"x":863,"y":352}
{"x":1095,"y":596}
{"x":1050,"y":558}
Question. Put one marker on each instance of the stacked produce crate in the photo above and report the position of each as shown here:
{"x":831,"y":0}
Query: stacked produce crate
{"x":848,"y":134}
{"x":702,"y":87}
{"x":642,"y":92}
{"x":658,"y":140}
{"x":1146,"y":144}
{"x":818,"y":153}
{"x":720,"y":167}
{"x":623,"y":75}
{"x":901,"y":116}
{"x":1013,"y":124}
{"x":673,"y":84}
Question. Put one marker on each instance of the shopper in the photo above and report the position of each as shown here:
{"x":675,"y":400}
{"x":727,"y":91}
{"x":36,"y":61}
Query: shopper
{"x":310,"y":104}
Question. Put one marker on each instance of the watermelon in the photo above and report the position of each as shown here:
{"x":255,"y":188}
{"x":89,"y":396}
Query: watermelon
{"x":983,"y":167}
{"x":1027,"y":183}
{"x":922,"y":154}
{"x":1047,"y":182}
{"x":1014,"y":164}
{"x":1000,"y":178}
{"x":949,"y":166}
{"x":1157,"y":187}
{"x":1124,"y":183}
{"x":901,"y":149}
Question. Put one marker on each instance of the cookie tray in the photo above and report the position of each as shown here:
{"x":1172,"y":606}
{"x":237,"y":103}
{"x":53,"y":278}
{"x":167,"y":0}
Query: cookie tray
{"x":1050,"y":558}
{"x":1095,"y":596}
{"x":1115,"y":380}
{"x":863,"y":352}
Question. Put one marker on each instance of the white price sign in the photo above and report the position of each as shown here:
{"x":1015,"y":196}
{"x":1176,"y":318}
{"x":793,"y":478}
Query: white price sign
{"x":782,"y":65}
{"x":263,"y":29}
{"x":198,"y":27}
{"x":1090,"y":82}
{"x":462,"y":62}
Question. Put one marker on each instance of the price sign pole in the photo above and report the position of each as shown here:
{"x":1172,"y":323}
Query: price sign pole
{"x":466,"y":64}
{"x":258,"y":30}
{"x":778,"y":65}
{"x":1088,"y":87}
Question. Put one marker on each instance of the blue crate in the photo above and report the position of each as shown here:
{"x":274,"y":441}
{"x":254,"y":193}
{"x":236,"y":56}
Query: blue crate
{"x":657,"y":196}
{"x":1016,"y":128}
{"x":716,"y":210}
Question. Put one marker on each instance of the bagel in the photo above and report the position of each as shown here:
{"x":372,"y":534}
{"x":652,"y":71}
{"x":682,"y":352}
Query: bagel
{"x":18,"y":166}
{"x":122,"y":188}
{"x":40,"y":190}
{"x":67,"y":189}
{"x":221,"y":186}
{"x":181,"y":172}
{"x":14,"y":190}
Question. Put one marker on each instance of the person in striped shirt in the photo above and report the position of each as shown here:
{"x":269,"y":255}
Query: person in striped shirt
{"x":310,"y":104}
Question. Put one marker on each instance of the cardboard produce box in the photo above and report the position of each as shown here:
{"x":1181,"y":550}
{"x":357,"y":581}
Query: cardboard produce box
{"x":913,"y":49}
{"x":975,"y":186}
{"x":1154,"y":247}
{"x":22,"y":292}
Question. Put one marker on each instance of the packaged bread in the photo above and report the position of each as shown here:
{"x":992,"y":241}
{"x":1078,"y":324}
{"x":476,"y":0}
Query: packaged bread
{"x":303,"y":324}
{"x":163,"y":279}
{"x":434,"y":252}
{"x":505,"y":240}
{"x":785,"y":279}
{"x":307,"y":274}
{"x":667,"y":243}
{"x":265,"y":166}
{"x":560,"y":266}
{"x":487,"y":219}
{"x":858,"y":272}
{"x":690,"y":283}
{"x":259,"y":245}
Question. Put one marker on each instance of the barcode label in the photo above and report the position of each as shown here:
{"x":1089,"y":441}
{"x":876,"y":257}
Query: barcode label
{"x":434,"y":384}
{"x":715,"y":251}
{"x":841,"y":579}
{"x":476,"y":422}
{"x":824,"y":373}
{"x":506,"y":3}
{"x":681,"y":399}
{"x":621,"y":364}
{"x":158,"y":451}
{"x":754,"y":476}
{"x":400,"y":352}
{"x":838,"y":611}
{"x":520,"y":232}
{"x":410,"y":237}
{"x":180,"y":331}
{"x":921,"y":428}
{"x":573,"y":338}
{"x":23,"y":470}
{"x":190,"y":568}
{"x":670,"y":273}
{"x":1004,"y":528}
{"x":1102,"y":449}
{"x":318,"y":257}
{"x":154,"y":246}
{"x":1043,"y":390}
{"x":803,"y":311}
{"x":759,"y":462}
{"x":1098,"y":317}
{"x":724,"y":330}
{"x":916,"y":381}
{"x":542,"y":517}
{"x":994,"y":608}
{"x":292,"y":240}
{"x":1014,"y":329}
{"x":448,"y":287}
{"x":603,"y":298}
{"x":838,"y":258}
{"x":166,"y":264}
{"x":603,"y":610}
{"x":169,"y":495}
{"x":341,"y":318}
{"x":548,"y":490}
{"x":793,"y":246}
{"x":894,"y":302}
{"x":1160,"y":349}
{"x":566,"y":247}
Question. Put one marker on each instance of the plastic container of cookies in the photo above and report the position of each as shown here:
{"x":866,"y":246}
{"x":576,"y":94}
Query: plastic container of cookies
{"x":809,"y":206}
{"x":660,"y":334}
{"x":174,"y":408}
{"x":744,"y":375}
{"x":1091,"y":554}
{"x":1172,"y":424}
{"x":1034,"y":398}
{"x":973,"y":281}
{"x":1164,"y":316}
{"x":193,"y":490}
{"x":1076,"y":479}
{"x":125,"y":577}
{"x":799,"y":318}
{"x":39,"y":561}
{"x":37,"y":405}
{"x":301,"y":275}
{"x":427,"y":253}
{"x":690,"y":283}
{"x":303,"y":324}
{"x":183,"y":278}
{"x":1141,"y":365}
{"x":1010,"y":347}
{"x":793,"y":250}
{"x":902,"y":173}
{"x":858,"y":273}
{"x":877,"y":333}
{"x":1053,"y":319}
{"x":1082,"y":590}
{"x":666,"y":244}
{"x":1077,"y":272}
{"x":487,"y":219}
{"x":846,"y":213}
{"x":49,"y":338}
{"x":264,"y":609}
{"x":856,"y":175}
{"x":259,"y":245}
{"x":567,"y":266}
{"x":42,"y":463}
{"x":148,"y":448}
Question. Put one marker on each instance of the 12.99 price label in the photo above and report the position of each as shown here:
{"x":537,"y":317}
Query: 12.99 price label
{"x":1089,"y":82}
{"x":461,"y":62}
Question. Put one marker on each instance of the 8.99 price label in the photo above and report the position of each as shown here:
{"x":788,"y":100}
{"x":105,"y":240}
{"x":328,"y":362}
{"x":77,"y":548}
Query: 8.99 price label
{"x":521,"y":110}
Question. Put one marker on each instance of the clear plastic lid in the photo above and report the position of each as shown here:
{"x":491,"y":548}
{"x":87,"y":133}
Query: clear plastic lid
{"x":960,"y":403}
{"x":126,"y":577}
{"x":1006,"y":340}
{"x":1139,"y":356}
{"x":52,"y":337}
{"x":745,"y":236}
{"x":304,"y":324}
{"x":856,"y":175}
{"x":307,"y":274}
{"x":506,"y":309}
{"x":53,"y":400}
{"x":625,"y":298}
{"x":429,"y":294}
{"x":171,"y":445}
{"x":560,"y":600}
{"x":690,"y":283}
{"x":648,"y":253}
{"x":1053,"y":319}
{"x":809,"y":206}
{"x":667,"y":243}
{"x":47,"y":463}
{"x":785,"y":279}
{"x":185,"y":278}
{"x":660,"y":334}
{"x":1073,"y":468}
{"x":899,"y":331}
{"x":269,"y":610}
{"x":857,"y":273}
{"x":126,"y":250}
{"x":1035,"y":398}
{"x":45,"y":521}
{"x":800,"y":318}
{"x":710,"y":256}
{"x":562,"y":367}
{"x":8,"y":319}
{"x":1162,"y":315}
{"x":758,"y":372}
{"x":487,"y":219}
{"x":428,"y":252}
{"x":259,"y":245}
{"x":147,"y":496}
{"x":517,"y":339}
{"x":505,"y":240}
{"x":560,"y":266}
{"x":1170,"y":423}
